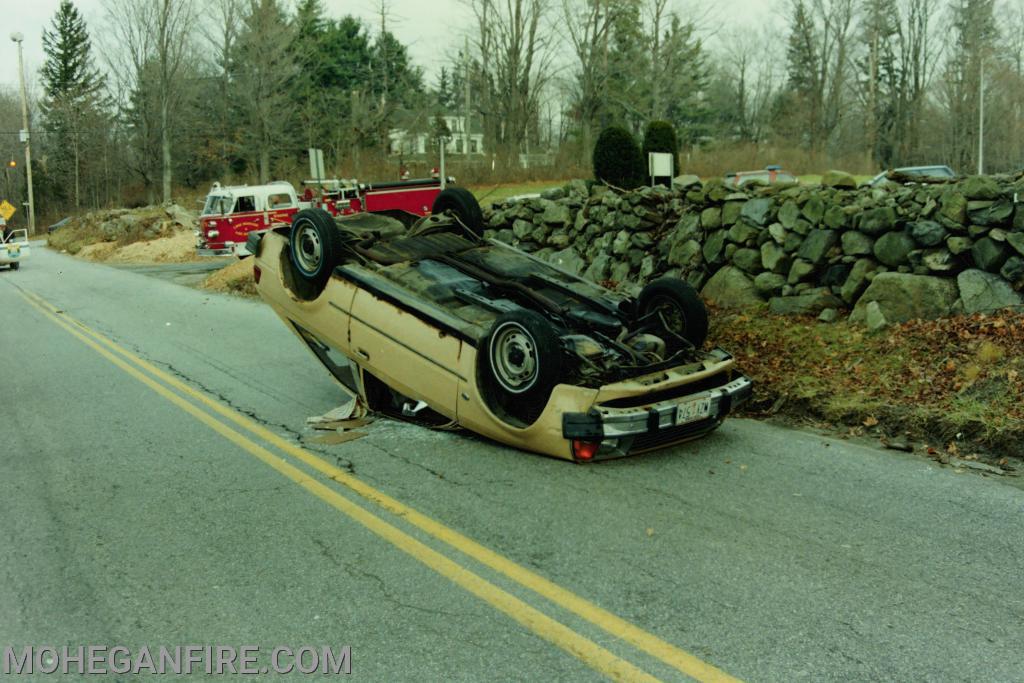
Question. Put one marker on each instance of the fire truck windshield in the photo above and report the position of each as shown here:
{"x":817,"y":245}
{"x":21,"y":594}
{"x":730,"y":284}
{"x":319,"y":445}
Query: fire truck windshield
{"x":217,"y":205}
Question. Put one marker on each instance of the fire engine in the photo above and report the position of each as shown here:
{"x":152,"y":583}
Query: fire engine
{"x":232,"y":212}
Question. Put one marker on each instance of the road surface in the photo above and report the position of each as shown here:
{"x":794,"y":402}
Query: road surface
{"x":158,"y":486}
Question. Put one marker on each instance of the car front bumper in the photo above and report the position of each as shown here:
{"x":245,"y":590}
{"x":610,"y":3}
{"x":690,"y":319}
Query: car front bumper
{"x":629,"y":431}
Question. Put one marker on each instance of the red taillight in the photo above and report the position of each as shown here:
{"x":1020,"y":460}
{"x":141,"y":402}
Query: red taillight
{"x":256,"y":273}
{"x":585,"y":450}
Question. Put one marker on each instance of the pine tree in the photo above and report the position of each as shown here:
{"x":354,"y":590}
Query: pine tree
{"x":72,"y":88}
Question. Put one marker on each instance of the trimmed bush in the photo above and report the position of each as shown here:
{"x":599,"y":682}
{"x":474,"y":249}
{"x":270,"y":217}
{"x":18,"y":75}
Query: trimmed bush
{"x":660,"y":136}
{"x":618,"y":160}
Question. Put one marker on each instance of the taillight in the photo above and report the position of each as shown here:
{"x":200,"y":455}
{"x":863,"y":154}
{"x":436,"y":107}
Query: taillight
{"x":256,"y":273}
{"x":585,"y":450}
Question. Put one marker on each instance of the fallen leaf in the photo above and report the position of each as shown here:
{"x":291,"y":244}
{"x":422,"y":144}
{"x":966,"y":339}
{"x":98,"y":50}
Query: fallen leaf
{"x":870,"y":421}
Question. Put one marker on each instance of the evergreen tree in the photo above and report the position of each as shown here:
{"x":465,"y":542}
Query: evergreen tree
{"x":71,"y":86}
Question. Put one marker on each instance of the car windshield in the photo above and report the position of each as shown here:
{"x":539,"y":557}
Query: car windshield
{"x":217,"y":205}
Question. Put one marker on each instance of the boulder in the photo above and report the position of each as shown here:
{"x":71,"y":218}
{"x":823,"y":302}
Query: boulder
{"x":747,"y":260}
{"x":798,"y":271}
{"x":1013,"y":270}
{"x":892,"y":248}
{"x":989,"y":255}
{"x":810,"y":303}
{"x":711,"y":218}
{"x":555,"y":213}
{"x":686,"y":254}
{"x":878,"y":220}
{"x":938,"y":260}
{"x":874,"y":318}
{"x":789,"y":214}
{"x":980,"y":187}
{"x":1016,"y":240}
{"x":959,"y":245}
{"x":553,"y":193}
{"x":835,"y":218}
{"x":713,"y":246}
{"x":731,"y":288}
{"x":769,"y":284}
{"x":927,"y":233}
{"x":817,"y":245}
{"x":829,"y":315}
{"x":953,"y":207}
{"x":759,"y":211}
{"x":686,"y":182}
{"x":857,"y":243}
{"x":731,"y":212}
{"x":982,"y":292}
{"x":857,"y":280}
{"x":598,"y":268}
{"x":999,"y":212}
{"x":568,"y":260}
{"x":688,"y":227}
{"x":813,"y":210}
{"x":778,"y":233}
{"x":741,"y":232}
{"x":773,"y":258}
{"x":903,"y":297}
{"x":521,"y":229}
{"x":838,"y":179}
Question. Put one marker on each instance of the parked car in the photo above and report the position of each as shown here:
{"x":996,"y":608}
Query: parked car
{"x":13,"y":248}
{"x":768,"y":176}
{"x":435,"y":324}
{"x":909,"y":174}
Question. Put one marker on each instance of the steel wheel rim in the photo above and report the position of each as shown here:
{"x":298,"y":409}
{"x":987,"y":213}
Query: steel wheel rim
{"x":514,"y":358}
{"x":308,"y":249}
{"x":671,"y":313}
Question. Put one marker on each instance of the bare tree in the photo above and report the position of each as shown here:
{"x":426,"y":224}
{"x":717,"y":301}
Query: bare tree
{"x":150,"y":40}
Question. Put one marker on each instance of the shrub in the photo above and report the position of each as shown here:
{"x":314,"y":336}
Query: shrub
{"x":618,"y":160}
{"x":660,"y":136}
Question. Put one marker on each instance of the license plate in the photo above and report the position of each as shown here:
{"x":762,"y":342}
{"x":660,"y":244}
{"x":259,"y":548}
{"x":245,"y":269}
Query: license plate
{"x":692,"y":411}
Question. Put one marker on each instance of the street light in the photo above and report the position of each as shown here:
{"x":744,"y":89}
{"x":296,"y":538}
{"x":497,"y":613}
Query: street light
{"x":19,"y":38}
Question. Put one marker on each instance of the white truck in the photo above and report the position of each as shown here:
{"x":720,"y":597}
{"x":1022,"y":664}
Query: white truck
{"x":13,"y":248}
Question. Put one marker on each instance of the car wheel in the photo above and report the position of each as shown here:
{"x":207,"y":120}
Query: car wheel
{"x":464,"y":205}
{"x":521,"y":362}
{"x":15,"y":265}
{"x":315,"y":247}
{"x":682,"y":312}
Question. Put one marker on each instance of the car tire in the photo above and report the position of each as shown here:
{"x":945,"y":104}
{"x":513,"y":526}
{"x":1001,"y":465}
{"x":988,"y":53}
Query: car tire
{"x":682,"y":309}
{"x":314,"y":247}
{"x":464,"y":205}
{"x":15,"y":265}
{"x":520,"y":362}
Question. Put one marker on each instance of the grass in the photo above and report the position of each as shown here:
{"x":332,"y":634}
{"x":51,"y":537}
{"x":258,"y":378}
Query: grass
{"x":933,"y":380}
{"x":491,"y":194}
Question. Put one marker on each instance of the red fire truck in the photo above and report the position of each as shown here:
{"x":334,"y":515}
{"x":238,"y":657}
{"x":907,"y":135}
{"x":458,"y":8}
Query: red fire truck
{"x":231,"y":213}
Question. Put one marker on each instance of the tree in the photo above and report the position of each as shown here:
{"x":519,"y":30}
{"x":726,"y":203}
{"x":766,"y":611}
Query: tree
{"x":71,"y":86}
{"x":618,"y":160}
{"x":263,"y":71}
{"x":150,"y":51}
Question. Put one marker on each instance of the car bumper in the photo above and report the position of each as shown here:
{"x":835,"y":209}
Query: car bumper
{"x":630,"y":431}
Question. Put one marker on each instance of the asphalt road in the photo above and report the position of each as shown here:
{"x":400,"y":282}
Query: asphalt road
{"x":129,"y":517}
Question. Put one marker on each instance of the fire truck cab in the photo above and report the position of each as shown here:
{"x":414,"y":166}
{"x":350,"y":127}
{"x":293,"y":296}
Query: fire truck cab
{"x":231,"y":213}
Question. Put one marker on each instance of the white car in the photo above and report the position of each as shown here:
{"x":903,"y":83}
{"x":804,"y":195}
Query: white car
{"x":14,"y":248}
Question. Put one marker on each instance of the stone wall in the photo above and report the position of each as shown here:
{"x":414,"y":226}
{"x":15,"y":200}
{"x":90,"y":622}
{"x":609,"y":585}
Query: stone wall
{"x":882,"y":254}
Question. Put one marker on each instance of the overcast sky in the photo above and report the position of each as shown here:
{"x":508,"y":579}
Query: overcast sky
{"x":433,"y":29}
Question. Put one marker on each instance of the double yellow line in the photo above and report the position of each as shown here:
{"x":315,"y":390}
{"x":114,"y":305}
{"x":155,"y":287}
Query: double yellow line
{"x":544,"y":626}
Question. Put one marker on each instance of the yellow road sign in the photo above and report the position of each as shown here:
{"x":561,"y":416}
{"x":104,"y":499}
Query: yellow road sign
{"x":6,"y":210}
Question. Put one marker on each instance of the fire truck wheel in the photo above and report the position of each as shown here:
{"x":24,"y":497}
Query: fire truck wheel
{"x":463,"y":204}
{"x":315,"y":247}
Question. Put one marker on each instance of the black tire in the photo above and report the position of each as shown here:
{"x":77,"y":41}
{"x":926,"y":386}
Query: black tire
{"x":519,"y":363}
{"x":681,"y":308}
{"x":464,"y":205}
{"x":315,"y":247}
{"x":15,"y":265}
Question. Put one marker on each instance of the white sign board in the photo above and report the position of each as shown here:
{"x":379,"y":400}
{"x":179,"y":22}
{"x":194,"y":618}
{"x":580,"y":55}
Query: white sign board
{"x":659,"y":165}
{"x":316,"y":164}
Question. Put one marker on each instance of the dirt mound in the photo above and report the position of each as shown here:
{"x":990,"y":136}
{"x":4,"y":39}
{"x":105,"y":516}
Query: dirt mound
{"x":178,"y":248}
{"x":169,"y":226}
{"x":233,"y":279}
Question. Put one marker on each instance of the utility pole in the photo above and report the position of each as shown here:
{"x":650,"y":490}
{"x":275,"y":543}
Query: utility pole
{"x":981,"y":118}
{"x":18,"y":38}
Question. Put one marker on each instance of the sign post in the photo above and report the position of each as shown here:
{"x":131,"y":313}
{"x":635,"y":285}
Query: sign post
{"x":659,"y":165}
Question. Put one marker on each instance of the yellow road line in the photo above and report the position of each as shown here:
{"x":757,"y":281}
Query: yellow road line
{"x":544,"y":626}
{"x":611,"y":623}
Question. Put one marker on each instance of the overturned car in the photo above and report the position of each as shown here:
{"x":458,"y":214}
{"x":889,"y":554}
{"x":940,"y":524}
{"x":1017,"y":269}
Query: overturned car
{"x":425,"y":320}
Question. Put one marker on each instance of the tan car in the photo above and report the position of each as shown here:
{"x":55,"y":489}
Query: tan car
{"x":426,"y":321}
